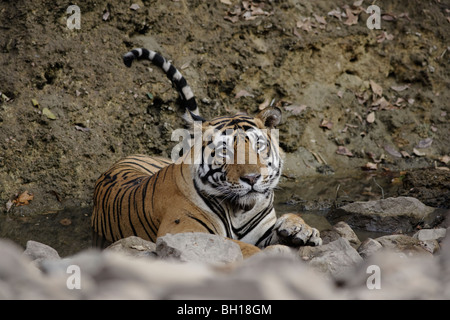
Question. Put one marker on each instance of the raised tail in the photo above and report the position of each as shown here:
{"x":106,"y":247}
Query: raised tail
{"x":180,"y":83}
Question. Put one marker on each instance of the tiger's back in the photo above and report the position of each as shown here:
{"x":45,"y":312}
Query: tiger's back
{"x":117,"y":194}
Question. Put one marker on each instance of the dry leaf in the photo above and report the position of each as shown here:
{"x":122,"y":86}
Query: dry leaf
{"x":344,"y":151}
{"x":320,"y":19}
{"x":370,"y":166}
{"x":335,"y":13}
{"x":134,"y":6}
{"x":400,"y":88}
{"x":9,"y":205}
{"x":392,"y":151}
{"x":23,"y":199}
{"x":376,"y":88}
{"x":227,"y":2}
{"x":445,"y":159}
{"x":351,"y":18}
{"x":405,"y":154}
{"x":243,"y":93}
{"x":305,"y":24}
{"x":296,"y":109}
{"x":418,"y":153}
{"x":371,"y":117}
{"x":327,"y":124}
{"x":65,"y":222}
{"x":426,"y":143}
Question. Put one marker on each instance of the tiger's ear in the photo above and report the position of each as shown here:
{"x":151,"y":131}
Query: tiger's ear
{"x":271,"y":117}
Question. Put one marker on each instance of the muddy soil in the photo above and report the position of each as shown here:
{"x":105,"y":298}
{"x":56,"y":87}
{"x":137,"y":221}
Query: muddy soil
{"x":353,"y":98}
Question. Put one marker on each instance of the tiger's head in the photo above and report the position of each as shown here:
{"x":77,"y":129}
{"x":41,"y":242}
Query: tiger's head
{"x":239,"y":160}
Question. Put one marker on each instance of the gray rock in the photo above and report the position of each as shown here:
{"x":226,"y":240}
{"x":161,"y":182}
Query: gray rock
{"x":39,"y":252}
{"x":430,"y":234}
{"x":345,"y":231}
{"x":334,"y":258}
{"x":369,"y":247}
{"x":134,"y":246}
{"x":199,"y":247}
{"x":398,"y":277}
{"x":387,"y":215}
{"x":403,"y":244}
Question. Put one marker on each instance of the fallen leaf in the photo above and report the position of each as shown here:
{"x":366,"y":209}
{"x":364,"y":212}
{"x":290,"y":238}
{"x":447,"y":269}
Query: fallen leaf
{"x":405,"y":154}
{"x":370,"y":166}
{"x":105,"y":16}
{"x":445,"y":159}
{"x":376,"y":88}
{"x":358,"y":3}
{"x":46,"y":112}
{"x":340,"y":94}
{"x":392,"y":151}
{"x":351,"y":18}
{"x":243,"y":93}
{"x":411,"y":101}
{"x":418,"y":153}
{"x":305,"y":24}
{"x":65,"y":222}
{"x":228,"y":2}
{"x":9,"y":205}
{"x":344,"y":151}
{"x":35,"y":103}
{"x":371,"y":117}
{"x":134,"y":6}
{"x":185,"y":66}
{"x":327,"y":124}
{"x":23,"y":199}
{"x":296,"y":109}
{"x":335,"y":13}
{"x":320,"y":19}
{"x":426,"y":143}
{"x":400,"y":88}
{"x":388,"y":17}
{"x":82,"y":129}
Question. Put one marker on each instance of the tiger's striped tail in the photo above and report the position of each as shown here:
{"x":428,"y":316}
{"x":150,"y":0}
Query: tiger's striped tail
{"x":180,"y":83}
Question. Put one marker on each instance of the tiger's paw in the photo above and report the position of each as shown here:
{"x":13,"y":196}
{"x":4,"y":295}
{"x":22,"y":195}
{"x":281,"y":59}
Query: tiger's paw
{"x":293,"y":231}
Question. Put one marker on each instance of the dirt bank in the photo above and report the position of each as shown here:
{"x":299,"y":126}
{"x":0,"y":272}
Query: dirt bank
{"x":350,"y":95}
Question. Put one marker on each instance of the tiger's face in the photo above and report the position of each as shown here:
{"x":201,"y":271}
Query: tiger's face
{"x":240,"y":158}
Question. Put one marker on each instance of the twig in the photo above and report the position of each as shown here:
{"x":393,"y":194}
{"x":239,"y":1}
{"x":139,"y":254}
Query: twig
{"x":382,"y":190}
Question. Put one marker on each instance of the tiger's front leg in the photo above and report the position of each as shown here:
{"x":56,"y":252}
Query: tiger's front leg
{"x":291,"y":230}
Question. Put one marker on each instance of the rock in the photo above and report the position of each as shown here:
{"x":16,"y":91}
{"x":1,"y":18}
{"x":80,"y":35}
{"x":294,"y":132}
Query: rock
{"x":404,"y":244}
{"x":199,"y":247}
{"x":19,"y":279}
{"x":430,"y":234}
{"x":387,"y":215}
{"x":262,"y":277}
{"x":345,"y":231}
{"x":369,"y":247}
{"x":134,"y":246}
{"x":279,"y":250}
{"x":39,"y":252}
{"x":333,"y":258}
{"x":398,"y":277}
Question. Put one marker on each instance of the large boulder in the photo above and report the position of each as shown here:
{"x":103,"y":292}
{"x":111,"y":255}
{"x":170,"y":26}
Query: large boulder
{"x":333,"y":258}
{"x":198,"y":247}
{"x":386,"y":215}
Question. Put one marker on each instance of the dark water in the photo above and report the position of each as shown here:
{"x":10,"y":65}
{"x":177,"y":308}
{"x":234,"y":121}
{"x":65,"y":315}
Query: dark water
{"x":68,"y":231}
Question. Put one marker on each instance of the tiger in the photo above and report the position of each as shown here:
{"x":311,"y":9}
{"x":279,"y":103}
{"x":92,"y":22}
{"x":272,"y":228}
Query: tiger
{"x":213,"y":187}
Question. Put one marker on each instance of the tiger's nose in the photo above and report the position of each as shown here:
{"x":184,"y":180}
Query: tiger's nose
{"x":251,"y":178}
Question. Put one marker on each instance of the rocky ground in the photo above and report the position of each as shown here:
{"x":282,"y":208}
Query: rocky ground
{"x":365,"y":105}
{"x":203,"y":266}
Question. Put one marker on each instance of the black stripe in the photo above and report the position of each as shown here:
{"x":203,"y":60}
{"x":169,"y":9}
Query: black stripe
{"x":202,"y":223}
{"x":264,"y":236}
